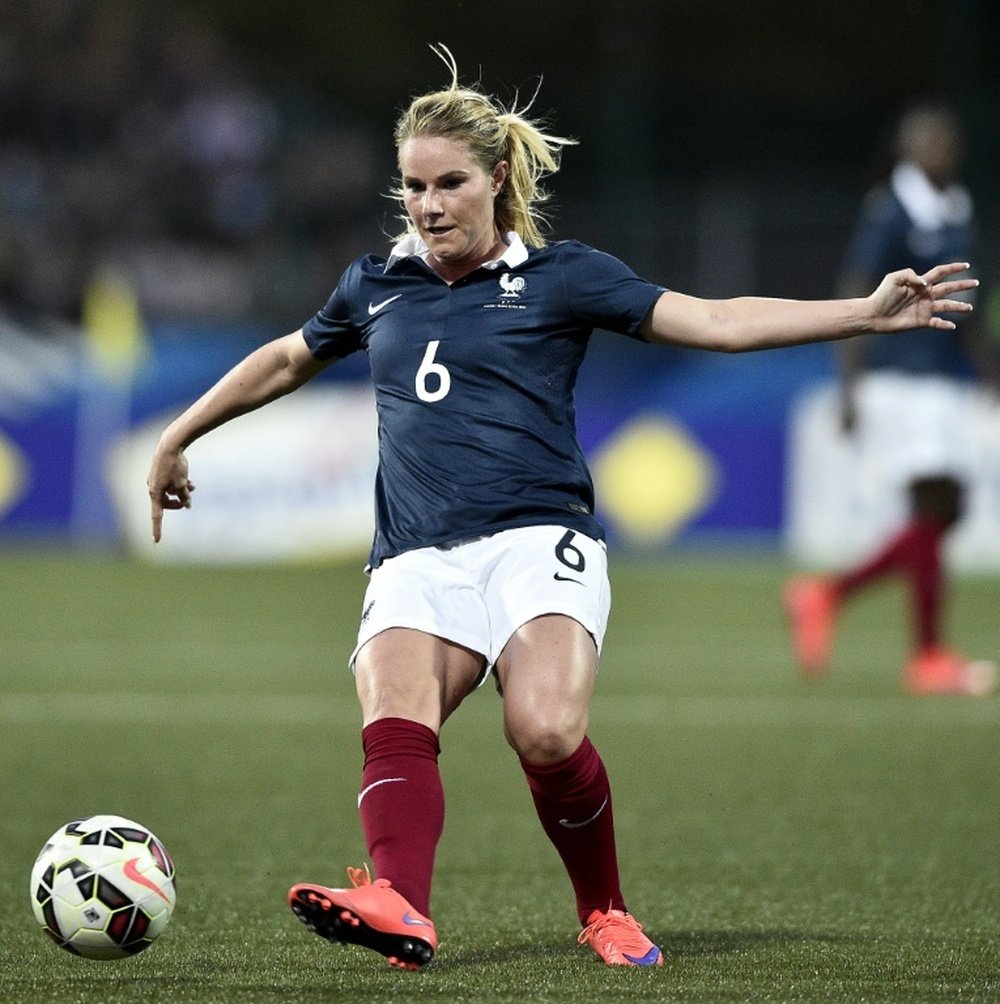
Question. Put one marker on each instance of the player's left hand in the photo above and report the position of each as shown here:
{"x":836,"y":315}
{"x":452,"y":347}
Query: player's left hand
{"x":905,"y":300}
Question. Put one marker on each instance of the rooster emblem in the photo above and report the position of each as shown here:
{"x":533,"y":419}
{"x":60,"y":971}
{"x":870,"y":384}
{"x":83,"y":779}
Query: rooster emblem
{"x":512,"y":285}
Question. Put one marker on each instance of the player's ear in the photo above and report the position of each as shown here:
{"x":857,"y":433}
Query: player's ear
{"x":499,"y":176}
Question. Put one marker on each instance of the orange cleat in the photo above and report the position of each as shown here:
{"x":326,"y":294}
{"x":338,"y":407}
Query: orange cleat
{"x":938,"y":670}
{"x":811,"y":607}
{"x":617,"y":938}
{"x":371,"y":914}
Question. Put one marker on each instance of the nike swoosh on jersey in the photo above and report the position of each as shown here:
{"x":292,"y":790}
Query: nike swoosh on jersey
{"x":374,"y":308}
{"x":566,"y":578}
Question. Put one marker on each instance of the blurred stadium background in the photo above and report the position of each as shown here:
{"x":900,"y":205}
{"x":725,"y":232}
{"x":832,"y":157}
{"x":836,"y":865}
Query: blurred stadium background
{"x":180,"y":181}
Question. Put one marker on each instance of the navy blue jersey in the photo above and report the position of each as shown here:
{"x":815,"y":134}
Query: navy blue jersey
{"x":474,"y":385}
{"x":908,"y":224}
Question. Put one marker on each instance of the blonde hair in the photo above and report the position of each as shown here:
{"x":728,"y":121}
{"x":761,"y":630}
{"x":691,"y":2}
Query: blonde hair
{"x":492,"y":134}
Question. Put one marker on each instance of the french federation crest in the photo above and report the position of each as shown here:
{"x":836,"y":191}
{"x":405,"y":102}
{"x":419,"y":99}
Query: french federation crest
{"x":512,"y":285}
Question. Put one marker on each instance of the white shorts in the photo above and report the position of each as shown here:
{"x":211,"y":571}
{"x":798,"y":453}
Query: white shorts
{"x":916,"y":426}
{"x":477,"y":593}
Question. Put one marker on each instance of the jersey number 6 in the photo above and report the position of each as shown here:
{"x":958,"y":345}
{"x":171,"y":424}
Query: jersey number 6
{"x":433,"y":380}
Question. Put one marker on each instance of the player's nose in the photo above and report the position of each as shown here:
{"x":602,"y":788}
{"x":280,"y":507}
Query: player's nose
{"x":431,"y":203}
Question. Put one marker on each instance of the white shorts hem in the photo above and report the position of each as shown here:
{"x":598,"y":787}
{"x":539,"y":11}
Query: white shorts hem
{"x":416,"y":624}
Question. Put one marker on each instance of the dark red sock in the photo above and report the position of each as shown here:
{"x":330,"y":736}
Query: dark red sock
{"x":915,"y":553}
{"x":402,"y":805}
{"x":573,"y":801}
{"x":926,"y":581}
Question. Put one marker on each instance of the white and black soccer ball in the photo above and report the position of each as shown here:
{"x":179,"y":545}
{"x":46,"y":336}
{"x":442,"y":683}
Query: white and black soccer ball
{"x":103,"y":887}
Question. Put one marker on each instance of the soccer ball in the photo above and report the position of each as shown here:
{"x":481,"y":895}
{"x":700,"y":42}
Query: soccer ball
{"x":103,"y":887}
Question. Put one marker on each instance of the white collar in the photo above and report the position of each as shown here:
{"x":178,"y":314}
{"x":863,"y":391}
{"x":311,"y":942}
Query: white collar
{"x":412,"y":245}
{"x":929,"y":207}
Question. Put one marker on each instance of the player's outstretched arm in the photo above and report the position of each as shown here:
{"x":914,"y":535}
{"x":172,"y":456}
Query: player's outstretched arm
{"x":273,"y":370}
{"x":903,"y":301}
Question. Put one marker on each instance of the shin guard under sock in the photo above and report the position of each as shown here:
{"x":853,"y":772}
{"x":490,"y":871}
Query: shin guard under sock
{"x":401,"y":805}
{"x":573,"y":801}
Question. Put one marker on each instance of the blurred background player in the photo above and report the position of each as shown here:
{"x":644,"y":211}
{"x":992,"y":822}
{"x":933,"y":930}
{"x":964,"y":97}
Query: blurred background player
{"x":905,"y":392}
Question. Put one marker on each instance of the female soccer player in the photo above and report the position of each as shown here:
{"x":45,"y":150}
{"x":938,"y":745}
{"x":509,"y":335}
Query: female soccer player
{"x":487,"y":555}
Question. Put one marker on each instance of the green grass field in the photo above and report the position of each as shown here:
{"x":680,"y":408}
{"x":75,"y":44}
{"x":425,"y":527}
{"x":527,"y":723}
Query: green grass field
{"x":783,"y":841}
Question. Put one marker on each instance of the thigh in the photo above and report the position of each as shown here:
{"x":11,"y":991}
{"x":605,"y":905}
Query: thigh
{"x":404,"y":673}
{"x":547,"y":672}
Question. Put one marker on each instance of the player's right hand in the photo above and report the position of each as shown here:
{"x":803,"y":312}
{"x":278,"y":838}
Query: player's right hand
{"x":168,"y":485}
{"x":848,"y":418}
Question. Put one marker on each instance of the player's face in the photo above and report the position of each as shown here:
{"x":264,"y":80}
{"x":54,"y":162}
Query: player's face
{"x":450,"y":198}
{"x":932,"y":140}
{"x":937,"y":152}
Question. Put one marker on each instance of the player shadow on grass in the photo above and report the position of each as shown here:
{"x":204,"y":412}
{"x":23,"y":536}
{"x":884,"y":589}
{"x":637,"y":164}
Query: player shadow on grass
{"x":687,"y":944}
{"x":504,"y":954}
{"x":678,"y":945}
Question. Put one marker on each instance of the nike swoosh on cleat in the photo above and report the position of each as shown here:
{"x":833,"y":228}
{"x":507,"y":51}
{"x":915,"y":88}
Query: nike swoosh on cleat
{"x":576,"y":826}
{"x":566,"y":578}
{"x":131,"y":870}
{"x":374,"y":308}
{"x":649,"y":959}
{"x":412,"y":921}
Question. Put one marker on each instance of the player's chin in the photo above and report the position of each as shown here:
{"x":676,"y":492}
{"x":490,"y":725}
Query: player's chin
{"x":442,"y":242}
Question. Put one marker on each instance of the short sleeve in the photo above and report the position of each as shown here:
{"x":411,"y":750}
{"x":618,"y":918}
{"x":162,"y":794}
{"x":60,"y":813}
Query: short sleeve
{"x":332,"y":332}
{"x":604,"y":292}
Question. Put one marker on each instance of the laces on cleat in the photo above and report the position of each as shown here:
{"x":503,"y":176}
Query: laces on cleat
{"x":360,"y":877}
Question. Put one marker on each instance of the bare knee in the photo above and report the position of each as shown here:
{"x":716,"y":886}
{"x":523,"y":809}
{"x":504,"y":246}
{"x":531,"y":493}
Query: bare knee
{"x":547,"y":670}
{"x":545,"y":738}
